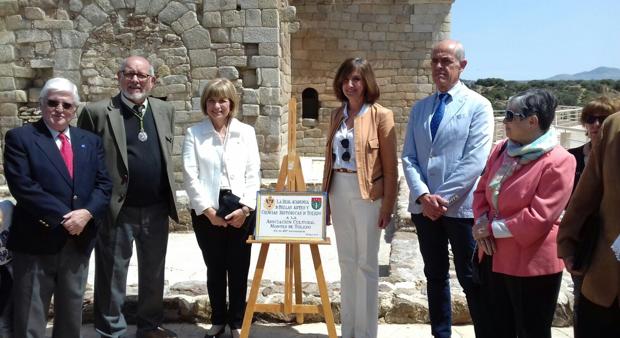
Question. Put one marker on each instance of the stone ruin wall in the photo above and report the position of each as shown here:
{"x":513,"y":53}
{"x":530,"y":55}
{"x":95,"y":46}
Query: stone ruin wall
{"x":270,"y":49}
{"x":396,"y":36}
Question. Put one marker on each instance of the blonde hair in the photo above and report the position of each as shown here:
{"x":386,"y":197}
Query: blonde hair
{"x":220,"y":88}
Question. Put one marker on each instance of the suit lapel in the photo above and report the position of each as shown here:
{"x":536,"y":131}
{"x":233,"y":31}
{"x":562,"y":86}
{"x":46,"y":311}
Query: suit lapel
{"x":115,"y":119}
{"x":44,"y":140}
{"x":160,"y":118}
{"x":452,"y":110}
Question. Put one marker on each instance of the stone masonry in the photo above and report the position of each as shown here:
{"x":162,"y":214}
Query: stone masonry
{"x":271,"y":49}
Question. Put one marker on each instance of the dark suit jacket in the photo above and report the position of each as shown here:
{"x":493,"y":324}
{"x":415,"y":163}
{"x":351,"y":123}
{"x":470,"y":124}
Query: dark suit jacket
{"x":104,"y":118}
{"x":40,"y":183}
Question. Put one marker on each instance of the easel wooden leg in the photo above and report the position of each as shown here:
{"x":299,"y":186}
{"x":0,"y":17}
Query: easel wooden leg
{"x":297,"y":275}
{"x":320,"y":278}
{"x":288,"y":279}
{"x":258,"y":276}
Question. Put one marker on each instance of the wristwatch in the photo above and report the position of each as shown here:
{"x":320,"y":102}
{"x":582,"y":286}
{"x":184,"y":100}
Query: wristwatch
{"x":246,"y":211}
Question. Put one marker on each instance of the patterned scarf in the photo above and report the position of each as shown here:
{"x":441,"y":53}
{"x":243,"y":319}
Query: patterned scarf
{"x":519,"y":155}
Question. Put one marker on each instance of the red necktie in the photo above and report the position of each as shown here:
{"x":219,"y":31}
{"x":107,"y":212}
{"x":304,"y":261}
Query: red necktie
{"x":66,"y":152}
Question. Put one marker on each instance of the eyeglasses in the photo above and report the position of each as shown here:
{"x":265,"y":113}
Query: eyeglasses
{"x":140,"y":76}
{"x":55,"y":103}
{"x":510,"y":116}
{"x":346,"y":156}
{"x":591,"y":119}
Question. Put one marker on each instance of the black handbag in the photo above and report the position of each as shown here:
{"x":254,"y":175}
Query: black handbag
{"x":588,"y":236}
{"x":228,"y":202}
{"x":481,"y":270}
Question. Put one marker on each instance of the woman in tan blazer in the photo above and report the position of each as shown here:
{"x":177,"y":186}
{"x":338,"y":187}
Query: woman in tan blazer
{"x":598,"y":190}
{"x":360,"y":176}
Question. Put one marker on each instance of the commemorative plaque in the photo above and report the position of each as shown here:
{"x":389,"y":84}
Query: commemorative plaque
{"x":290,"y":216}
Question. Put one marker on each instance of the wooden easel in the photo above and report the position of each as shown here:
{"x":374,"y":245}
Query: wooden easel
{"x":291,"y":178}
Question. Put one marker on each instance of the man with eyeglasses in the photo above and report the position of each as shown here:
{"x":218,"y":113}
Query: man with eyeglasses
{"x":57,"y":175}
{"x":448,"y":139}
{"x":138,"y":134}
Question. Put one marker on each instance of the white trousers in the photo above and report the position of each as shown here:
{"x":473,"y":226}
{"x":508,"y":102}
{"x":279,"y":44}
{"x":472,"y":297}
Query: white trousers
{"x":357,"y":239}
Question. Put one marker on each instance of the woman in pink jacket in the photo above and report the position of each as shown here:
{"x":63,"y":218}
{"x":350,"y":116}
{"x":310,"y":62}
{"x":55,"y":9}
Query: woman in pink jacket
{"x":517,"y":208}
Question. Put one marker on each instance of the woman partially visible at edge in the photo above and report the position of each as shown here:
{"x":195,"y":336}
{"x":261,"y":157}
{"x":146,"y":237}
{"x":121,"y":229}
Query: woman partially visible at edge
{"x":517,"y":207}
{"x":360,"y":176}
{"x":592,"y":116}
{"x":598,"y":191}
{"x":220,"y":158}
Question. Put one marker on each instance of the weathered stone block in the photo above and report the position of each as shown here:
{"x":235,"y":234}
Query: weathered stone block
{"x":269,"y":96}
{"x":260,"y":34}
{"x":269,"y":49}
{"x":204,"y":73}
{"x":42,"y":63}
{"x":7,"y":53}
{"x":239,"y":61}
{"x":174,"y":79}
{"x":219,"y":35}
{"x":94,"y":14}
{"x":250,"y":109}
{"x":270,"y":18}
{"x":189,"y":20}
{"x":8,"y":7}
{"x":7,"y":83}
{"x":32,"y":35}
{"x":173,"y":11}
{"x":228,"y":72}
{"x":269,"y":77}
{"x":157,"y":6}
{"x":67,"y":59}
{"x":259,"y":61}
{"x":83,"y":25}
{"x":6,"y":69}
{"x":245,"y":4}
{"x":249,"y":96}
{"x":142,"y":6}
{"x":197,"y":38}
{"x":34,"y":13}
{"x":212,"y":19}
{"x":16,"y":22}
{"x":34,"y":94}
{"x":202,"y":58}
{"x":42,"y":48}
{"x":118,"y":4}
{"x":236,"y":35}
{"x":268,"y":3}
{"x":210,"y":5}
{"x":232,"y":19}
{"x":105,"y":5}
{"x":72,"y":39}
{"x":253,"y":18}
{"x":8,"y":109}
{"x":53,"y":24}
{"x":75,"y":5}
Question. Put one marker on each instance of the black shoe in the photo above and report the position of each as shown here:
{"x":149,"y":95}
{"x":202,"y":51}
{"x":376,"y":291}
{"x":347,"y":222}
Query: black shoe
{"x":215,"y":330}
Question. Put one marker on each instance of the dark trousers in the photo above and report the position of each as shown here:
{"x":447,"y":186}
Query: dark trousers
{"x":434,"y":237}
{"x":227,"y":257}
{"x":522,"y":306}
{"x":577,"y":282}
{"x":36,"y":279}
{"x":597,"y":321}
{"x":148,"y":227}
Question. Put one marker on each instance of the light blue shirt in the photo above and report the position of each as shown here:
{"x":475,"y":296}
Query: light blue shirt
{"x":451,"y":164}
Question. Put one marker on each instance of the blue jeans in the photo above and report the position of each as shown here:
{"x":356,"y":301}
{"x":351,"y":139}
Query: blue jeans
{"x":434,"y":237}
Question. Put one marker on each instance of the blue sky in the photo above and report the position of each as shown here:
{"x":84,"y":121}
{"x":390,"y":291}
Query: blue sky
{"x":536,"y":39}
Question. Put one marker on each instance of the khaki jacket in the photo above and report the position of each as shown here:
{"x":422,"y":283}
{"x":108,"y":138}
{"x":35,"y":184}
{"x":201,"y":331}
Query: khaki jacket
{"x":375,"y":153}
{"x":598,"y":187}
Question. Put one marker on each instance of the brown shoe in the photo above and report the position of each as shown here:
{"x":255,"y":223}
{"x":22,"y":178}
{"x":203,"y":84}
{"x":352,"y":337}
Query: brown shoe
{"x":159,"y":332}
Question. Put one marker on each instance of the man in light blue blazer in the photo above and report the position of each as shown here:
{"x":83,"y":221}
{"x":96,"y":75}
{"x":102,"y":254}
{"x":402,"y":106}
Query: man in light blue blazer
{"x":448,"y":139}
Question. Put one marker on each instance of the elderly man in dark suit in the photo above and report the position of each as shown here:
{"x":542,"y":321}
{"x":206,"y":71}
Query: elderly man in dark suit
{"x":138,"y":134}
{"x":57,"y":175}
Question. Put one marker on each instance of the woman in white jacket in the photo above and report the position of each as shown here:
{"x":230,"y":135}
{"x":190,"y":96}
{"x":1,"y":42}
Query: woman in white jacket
{"x":221,"y":166}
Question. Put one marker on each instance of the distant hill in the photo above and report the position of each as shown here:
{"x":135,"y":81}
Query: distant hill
{"x":600,"y":73}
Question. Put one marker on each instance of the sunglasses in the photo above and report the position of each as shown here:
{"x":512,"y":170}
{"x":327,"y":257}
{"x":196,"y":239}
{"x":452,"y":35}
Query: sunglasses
{"x":591,"y":119}
{"x":140,"y":76}
{"x":55,"y":103}
{"x":510,"y":116}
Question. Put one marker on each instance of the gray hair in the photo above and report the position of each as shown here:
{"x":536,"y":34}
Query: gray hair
{"x":123,"y":65}
{"x":59,"y":84}
{"x":535,"y":101}
{"x":459,"y":50}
